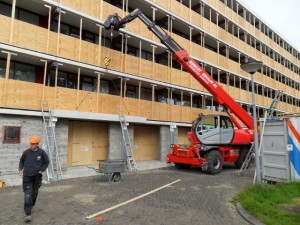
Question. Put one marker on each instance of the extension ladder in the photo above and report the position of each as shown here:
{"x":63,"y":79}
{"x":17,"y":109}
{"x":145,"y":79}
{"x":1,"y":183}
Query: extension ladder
{"x":274,"y":103}
{"x":247,"y":160}
{"x":54,"y":169}
{"x":131,"y":164}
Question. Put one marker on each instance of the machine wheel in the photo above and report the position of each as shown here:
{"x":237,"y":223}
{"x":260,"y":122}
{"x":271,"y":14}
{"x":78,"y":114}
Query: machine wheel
{"x":181,"y":166}
{"x":214,"y":161}
{"x":243,"y":154}
{"x":115,"y":177}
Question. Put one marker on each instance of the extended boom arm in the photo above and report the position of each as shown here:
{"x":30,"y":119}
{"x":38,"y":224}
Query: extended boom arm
{"x":221,"y":96}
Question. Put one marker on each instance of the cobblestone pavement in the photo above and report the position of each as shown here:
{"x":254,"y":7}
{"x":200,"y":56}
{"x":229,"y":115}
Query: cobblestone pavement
{"x":196,"y":199}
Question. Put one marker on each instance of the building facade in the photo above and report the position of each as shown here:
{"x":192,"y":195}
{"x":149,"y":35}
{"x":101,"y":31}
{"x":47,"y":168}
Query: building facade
{"x":58,"y":52}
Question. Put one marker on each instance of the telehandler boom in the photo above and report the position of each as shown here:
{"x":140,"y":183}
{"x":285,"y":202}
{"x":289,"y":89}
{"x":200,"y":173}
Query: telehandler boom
{"x":216,"y":139}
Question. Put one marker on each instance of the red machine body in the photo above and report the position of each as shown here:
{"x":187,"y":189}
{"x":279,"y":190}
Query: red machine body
{"x":216,"y":139}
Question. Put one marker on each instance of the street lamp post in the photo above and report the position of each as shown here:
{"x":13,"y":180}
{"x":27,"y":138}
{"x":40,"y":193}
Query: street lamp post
{"x":252,"y":67}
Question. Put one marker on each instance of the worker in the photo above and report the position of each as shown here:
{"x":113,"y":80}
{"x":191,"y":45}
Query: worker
{"x":33,"y":162}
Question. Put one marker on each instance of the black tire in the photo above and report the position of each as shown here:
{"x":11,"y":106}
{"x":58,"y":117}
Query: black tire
{"x":181,"y":166}
{"x":214,"y":161}
{"x":116,"y":177}
{"x":243,"y":154}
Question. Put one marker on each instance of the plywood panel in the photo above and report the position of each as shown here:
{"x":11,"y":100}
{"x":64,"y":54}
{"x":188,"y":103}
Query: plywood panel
{"x":175,"y":113}
{"x":185,"y":11}
{"x":161,"y":111}
{"x":184,"y":43}
{"x":89,"y":53}
{"x":109,"y":103}
{"x":145,"y":143}
{"x":186,"y":115}
{"x":182,"y":135}
{"x":131,"y":106}
{"x":50,"y":96}
{"x":2,"y":84}
{"x":91,"y":7}
{"x":175,"y":76}
{"x":53,"y":43}
{"x":88,"y":142}
{"x":195,"y":50}
{"x":147,"y":68}
{"x":116,"y":59}
{"x":161,"y":72}
{"x":5,"y":28}
{"x":68,"y":47}
{"x":164,"y":3}
{"x":87,"y":101}
{"x":196,"y":18}
{"x":146,"y":109}
{"x":66,"y":98}
{"x":109,"y":9}
{"x":30,"y":36}
{"x":132,"y":64}
{"x":18,"y":96}
{"x":185,"y":79}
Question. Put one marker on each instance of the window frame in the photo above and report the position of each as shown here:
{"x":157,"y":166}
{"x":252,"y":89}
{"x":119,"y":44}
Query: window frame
{"x":8,"y":141}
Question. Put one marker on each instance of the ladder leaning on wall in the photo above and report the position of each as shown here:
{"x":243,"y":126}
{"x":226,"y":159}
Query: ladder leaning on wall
{"x":268,"y":113}
{"x":54,"y":169}
{"x":131,"y":164}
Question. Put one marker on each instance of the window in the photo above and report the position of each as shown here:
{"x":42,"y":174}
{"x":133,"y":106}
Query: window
{"x":27,"y":17}
{"x":23,"y":72}
{"x":5,"y":10}
{"x":2,"y":68}
{"x":88,"y":84}
{"x":104,"y":86}
{"x":11,"y":134}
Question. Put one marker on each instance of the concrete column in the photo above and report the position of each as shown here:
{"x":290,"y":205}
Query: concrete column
{"x":116,"y":147}
{"x":114,"y":141}
{"x":165,"y":141}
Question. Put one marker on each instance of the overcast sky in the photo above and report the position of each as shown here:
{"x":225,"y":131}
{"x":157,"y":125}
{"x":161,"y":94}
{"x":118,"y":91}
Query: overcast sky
{"x":282,"y":16}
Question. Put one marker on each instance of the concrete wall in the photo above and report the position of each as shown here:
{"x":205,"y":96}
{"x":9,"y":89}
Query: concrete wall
{"x":61,"y":134}
{"x":10,"y":153}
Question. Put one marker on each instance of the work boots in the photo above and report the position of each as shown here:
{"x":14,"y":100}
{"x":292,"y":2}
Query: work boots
{"x":27,"y":218}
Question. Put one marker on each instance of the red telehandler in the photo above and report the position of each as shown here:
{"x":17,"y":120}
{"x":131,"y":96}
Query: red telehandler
{"x":216,"y":139}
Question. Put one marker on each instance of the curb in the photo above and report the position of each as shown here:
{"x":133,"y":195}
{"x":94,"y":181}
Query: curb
{"x":248,"y":217}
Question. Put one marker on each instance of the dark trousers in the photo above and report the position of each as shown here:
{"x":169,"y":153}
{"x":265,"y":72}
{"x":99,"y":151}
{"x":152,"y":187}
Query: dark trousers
{"x":31,"y":185}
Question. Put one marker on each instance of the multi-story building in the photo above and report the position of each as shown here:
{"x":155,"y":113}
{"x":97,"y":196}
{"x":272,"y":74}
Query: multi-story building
{"x":58,"y":52}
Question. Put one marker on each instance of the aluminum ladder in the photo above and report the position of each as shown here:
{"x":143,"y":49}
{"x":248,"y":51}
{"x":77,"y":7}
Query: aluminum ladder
{"x":247,"y":160}
{"x":54,"y":169}
{"x":274,"y":103}
{"x":131,"y":164}
{"x":269,"y":113}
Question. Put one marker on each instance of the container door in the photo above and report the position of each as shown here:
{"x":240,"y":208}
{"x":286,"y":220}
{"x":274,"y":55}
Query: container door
{"x":275,"y":157}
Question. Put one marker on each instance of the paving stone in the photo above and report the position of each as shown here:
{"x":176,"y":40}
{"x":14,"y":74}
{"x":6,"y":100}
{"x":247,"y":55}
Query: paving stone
{"x":196,"y":199}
